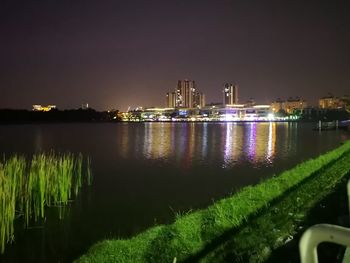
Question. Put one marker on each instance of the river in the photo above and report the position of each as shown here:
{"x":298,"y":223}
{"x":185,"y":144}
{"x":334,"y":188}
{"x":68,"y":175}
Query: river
{"x":145,"y":173}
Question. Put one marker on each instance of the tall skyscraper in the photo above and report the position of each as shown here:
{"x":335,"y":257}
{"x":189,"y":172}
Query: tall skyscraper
{"x":171,"y":99}
{"x":185,"y":94}
{"x":199,"y":100}
{"x":230,"y":93}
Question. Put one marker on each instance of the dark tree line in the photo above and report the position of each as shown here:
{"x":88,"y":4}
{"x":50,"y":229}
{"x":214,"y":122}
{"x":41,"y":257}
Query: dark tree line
{"x":54,"y":115}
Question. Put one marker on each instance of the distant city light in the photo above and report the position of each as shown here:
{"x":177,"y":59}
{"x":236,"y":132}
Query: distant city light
{"x":39,"y":107}
{"x":228,"y":113}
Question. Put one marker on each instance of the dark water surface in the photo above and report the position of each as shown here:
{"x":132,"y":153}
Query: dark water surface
{"x":145,"y":172}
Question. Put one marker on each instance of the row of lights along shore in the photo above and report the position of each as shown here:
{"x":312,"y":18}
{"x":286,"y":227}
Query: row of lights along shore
{"x":187,"y":103}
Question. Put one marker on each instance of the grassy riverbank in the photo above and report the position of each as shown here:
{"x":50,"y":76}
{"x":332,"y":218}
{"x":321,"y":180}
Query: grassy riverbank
{"x":277,"y":224}
{"x":28,"y":186}
{"x":199,"y":235}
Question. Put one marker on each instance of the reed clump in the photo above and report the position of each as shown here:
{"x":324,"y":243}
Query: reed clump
{"x":28,"y":186}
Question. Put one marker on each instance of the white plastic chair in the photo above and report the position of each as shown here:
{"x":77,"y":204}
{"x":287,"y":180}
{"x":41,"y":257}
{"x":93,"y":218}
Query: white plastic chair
{"x":317,"y":234}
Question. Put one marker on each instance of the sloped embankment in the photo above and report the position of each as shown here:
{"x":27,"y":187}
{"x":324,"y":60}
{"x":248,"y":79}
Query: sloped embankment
{"x":280,"y":222}
{"x":231,"y":227}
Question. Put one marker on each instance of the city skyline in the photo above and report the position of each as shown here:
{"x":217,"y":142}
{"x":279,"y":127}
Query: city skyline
{"x":119,"y":54}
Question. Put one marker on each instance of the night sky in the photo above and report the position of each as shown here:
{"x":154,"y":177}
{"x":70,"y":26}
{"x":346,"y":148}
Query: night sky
{"x":115,"y":54}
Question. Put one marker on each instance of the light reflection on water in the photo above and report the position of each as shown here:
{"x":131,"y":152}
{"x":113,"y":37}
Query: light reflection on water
{"x":271,"y":142}
{"x":191,"y":142}
{"x":142,"y":169}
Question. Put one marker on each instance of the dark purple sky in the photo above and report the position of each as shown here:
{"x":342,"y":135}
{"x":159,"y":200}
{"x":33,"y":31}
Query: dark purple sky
{"x":113,"y":54}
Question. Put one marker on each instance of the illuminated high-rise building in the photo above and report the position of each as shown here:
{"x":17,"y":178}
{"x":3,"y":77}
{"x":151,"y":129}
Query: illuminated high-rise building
{"x":171,"y":99}
{"x":230,"y":94}
{"x":185,"y":94}
{"x":199,"y":100}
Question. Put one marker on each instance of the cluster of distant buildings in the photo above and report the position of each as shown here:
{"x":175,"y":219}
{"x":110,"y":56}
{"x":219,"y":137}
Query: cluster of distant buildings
{"x":44,"y":108}
{"x":290,"y":105}
{"x":186,"y":95}
{"x":331,"y":102}
{"x":187,"y":103}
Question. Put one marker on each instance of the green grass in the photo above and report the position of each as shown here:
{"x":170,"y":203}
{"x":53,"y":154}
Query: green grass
{"x":277,"y":224}
{"x":191,"y":234}
{"x":27,"y":187}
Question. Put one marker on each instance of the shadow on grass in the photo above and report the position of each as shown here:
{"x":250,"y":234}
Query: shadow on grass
{"x":331,"y":210}
{"x":172,"y":242}
{"x":251,"y":242}
{"x":205,"y":236}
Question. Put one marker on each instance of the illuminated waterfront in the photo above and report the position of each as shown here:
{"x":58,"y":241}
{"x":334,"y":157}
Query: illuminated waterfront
{"x":144,"y":172}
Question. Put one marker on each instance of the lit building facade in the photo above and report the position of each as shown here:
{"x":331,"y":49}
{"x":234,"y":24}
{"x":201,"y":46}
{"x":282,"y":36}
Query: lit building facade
{"x":331,"y":102}
{"x":185,"y":94}
{"x":235,"y":112}
{"x":157,"y":114}
{"x":230,"y":94}
{"x":171,"y":99}
{"x":289,"y":106}
{"x":292,"y":105}
{"x":278,"y":105}
{"x":199,"y":100}
{"x":39,"y":107}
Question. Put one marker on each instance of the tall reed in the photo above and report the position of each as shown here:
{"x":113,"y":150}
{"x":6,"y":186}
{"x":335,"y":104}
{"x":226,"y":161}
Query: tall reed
{"x":28,"y":186}
{"x":10,"y":189}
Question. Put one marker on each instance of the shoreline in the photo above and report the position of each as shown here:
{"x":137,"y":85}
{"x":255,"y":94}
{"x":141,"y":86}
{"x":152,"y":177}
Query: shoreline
{"x":192,"y":233}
